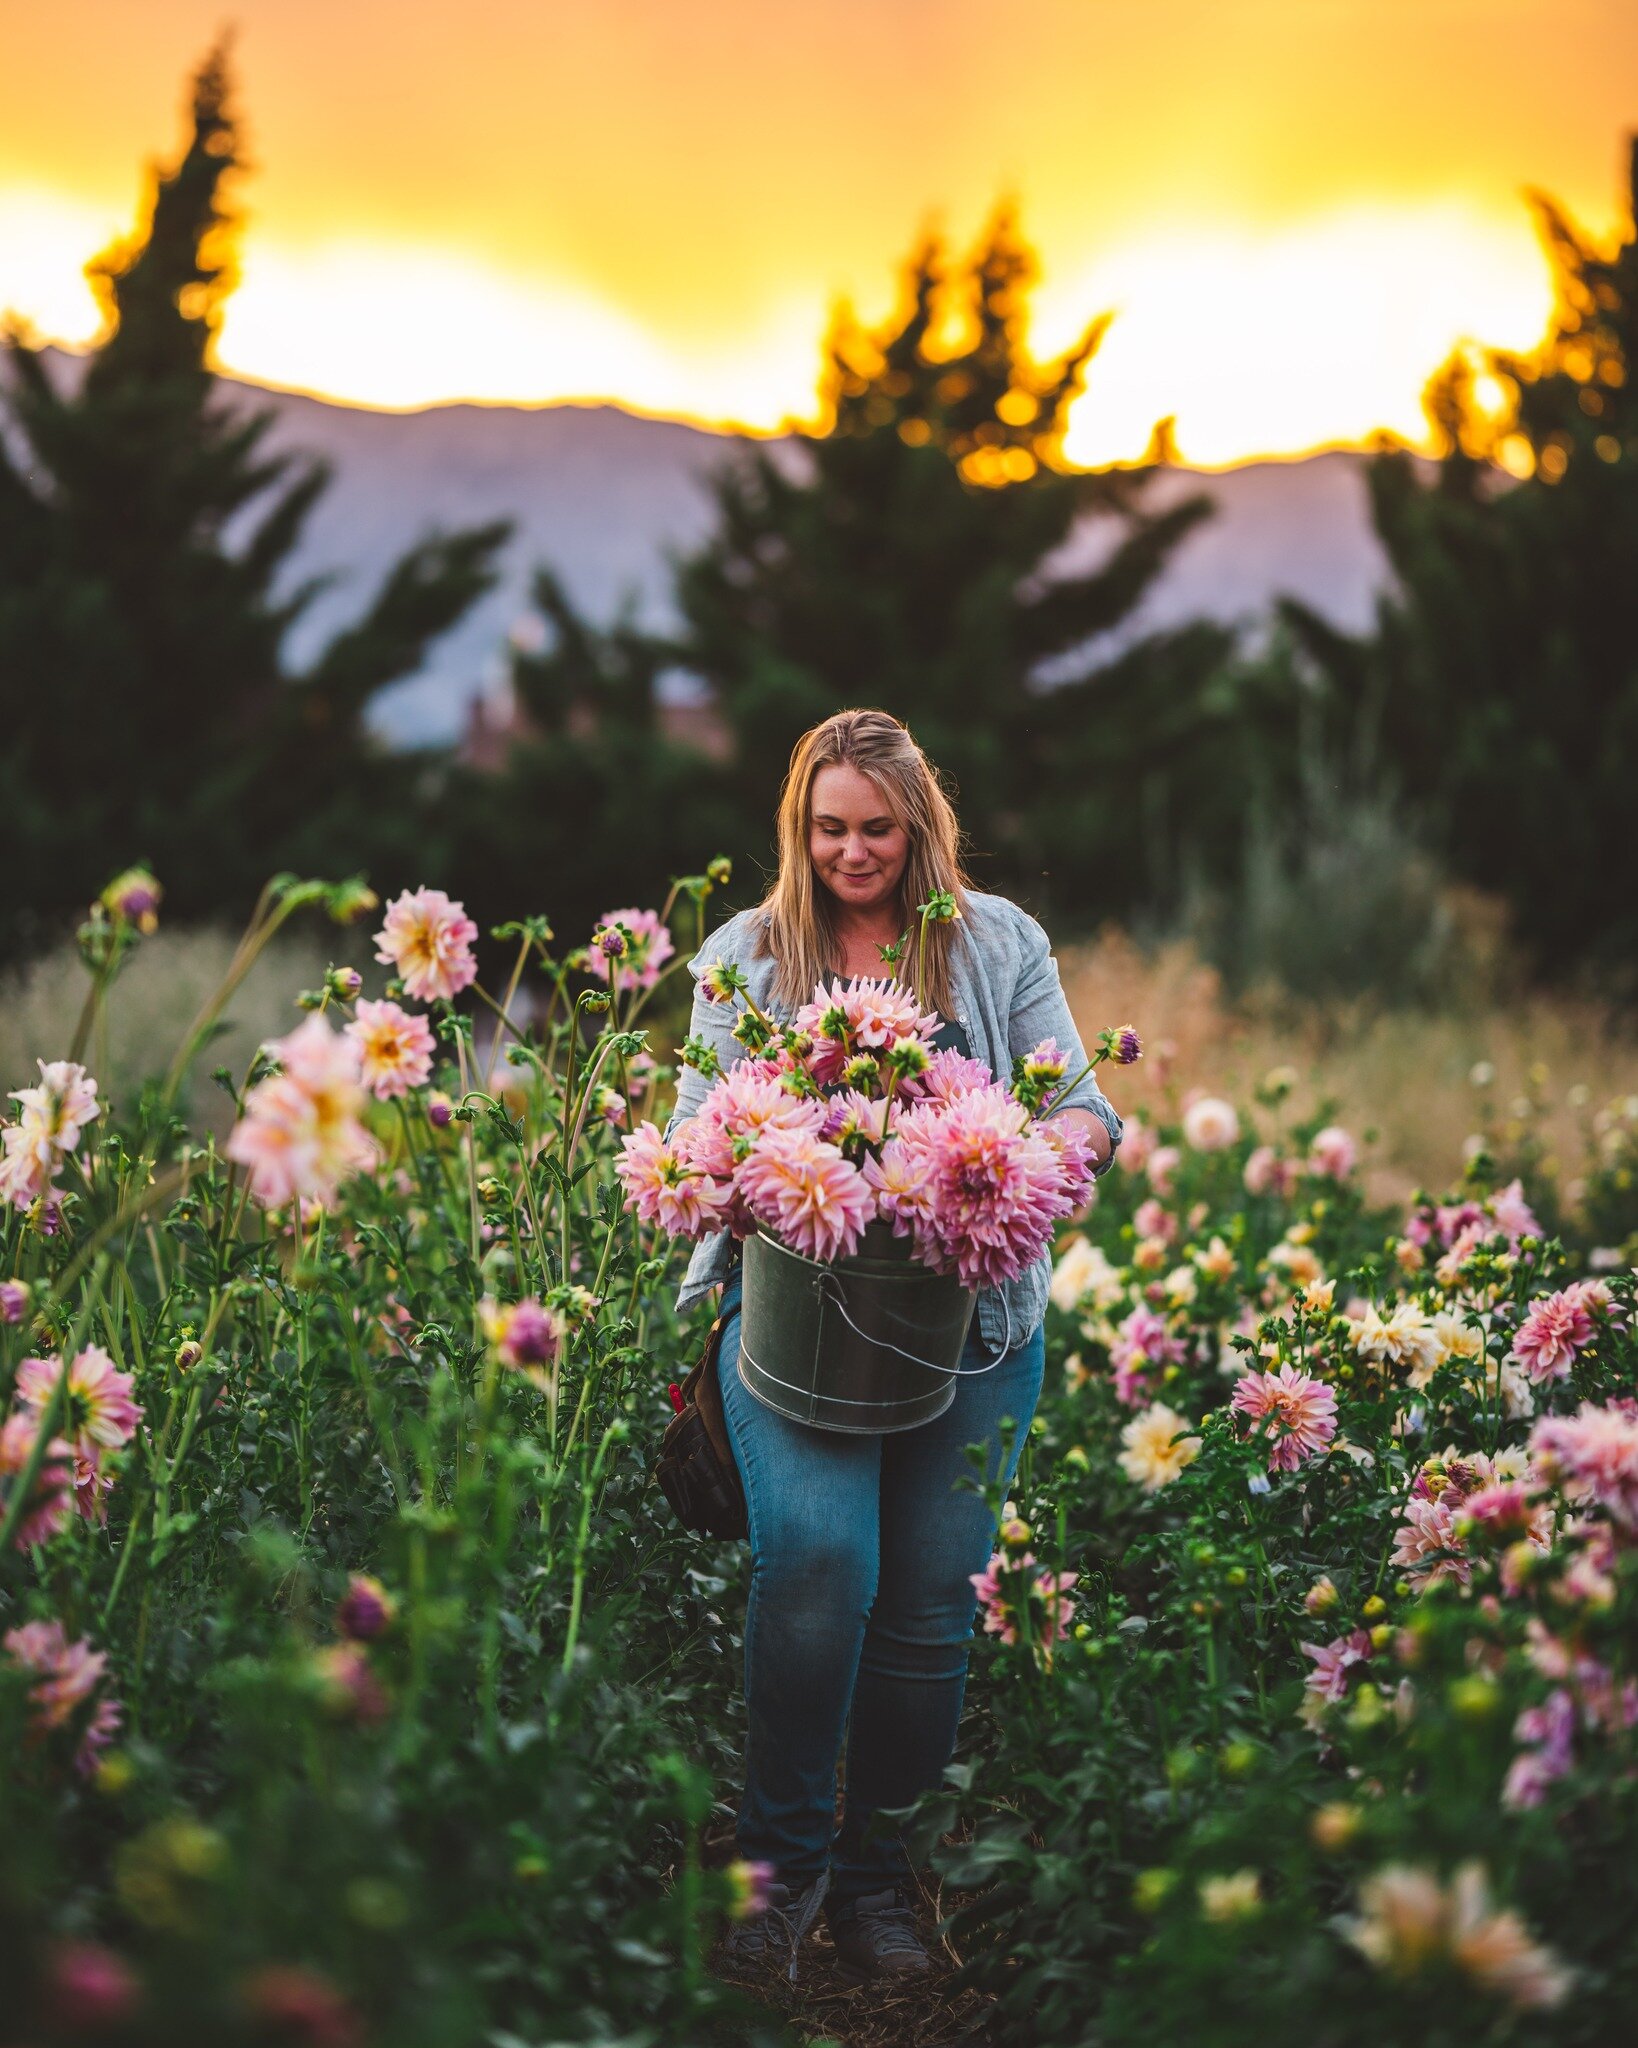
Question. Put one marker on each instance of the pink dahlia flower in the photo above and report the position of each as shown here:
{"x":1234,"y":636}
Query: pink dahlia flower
{"x":50,"y":1502}
{"x":395,"y":1048}
{"x":1427,"y":1547}
{"x":1332,"y":1153}
{"x":61,"y":1106}
{"x":807,"y":1193}
{"x":89,"y":1989}
{"x":1008,"y":1585}
{"x":429,"y":940}
{"x":665,"y":1186}
{"x":1593,"y":1453}
{"x":65,"y":1675}
{"x":1266,"y":1173}
{"x":749,"y":1099}
{"x":1328,"y":1681}
{"x":950,"y":1073}
{"x":647,"y":947}
{"x":1554,"y":1329}
{"x":1299,"y":1413}
{"x":1163,"y":1163}
{"x":1512,"y":1213}
{"x":1154,"y":1219}
{"x":859,"y":1014}
{"x":996,"y":1185}
{"x":1142,"y":1340}
{"x":1209,"y":1125}
{"x":300,"y":1135}
{"x":100,"y":1414}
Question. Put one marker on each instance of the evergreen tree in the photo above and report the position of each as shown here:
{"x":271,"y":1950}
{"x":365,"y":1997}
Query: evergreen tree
{"x":1499,"y":693}
{"x":593,"y":803}
{"x":903,"y":556}
{"x":143,"y":527}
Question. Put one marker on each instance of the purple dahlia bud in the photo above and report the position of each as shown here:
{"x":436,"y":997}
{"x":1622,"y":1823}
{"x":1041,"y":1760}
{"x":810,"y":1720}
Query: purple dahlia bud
{"x":366,"y":1610}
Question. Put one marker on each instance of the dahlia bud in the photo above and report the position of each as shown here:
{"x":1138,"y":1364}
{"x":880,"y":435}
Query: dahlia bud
{"x":188,"y":1354}
{"x":748,"y":1882}
{"x":1322,"y":1597}
{"x":720,"y":982}
{"x":610,"y":941}
{"x":1016,"y":1533}
{"x":440,"y":1109}
{"x":134,"y":896}
{"x":366,"y":1609}
{"x":345,"y":983}
{"x":14,"y":1300}
{"x":720,"y":871}
{"x":1335,"y":1825}
{"x":349,"y":901}
{"x":491,"y":1192}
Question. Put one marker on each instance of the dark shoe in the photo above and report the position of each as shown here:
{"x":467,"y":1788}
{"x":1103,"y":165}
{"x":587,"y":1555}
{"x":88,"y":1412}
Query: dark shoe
{"x":772,"y":1938}
{"x":876,"y":1937}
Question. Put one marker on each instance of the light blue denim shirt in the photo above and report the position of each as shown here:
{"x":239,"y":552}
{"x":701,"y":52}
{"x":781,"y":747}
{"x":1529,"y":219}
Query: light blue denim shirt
{"x":1007,"y":997}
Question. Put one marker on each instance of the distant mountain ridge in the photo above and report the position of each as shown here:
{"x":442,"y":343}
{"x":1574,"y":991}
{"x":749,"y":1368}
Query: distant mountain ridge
{"x":607,"y":496}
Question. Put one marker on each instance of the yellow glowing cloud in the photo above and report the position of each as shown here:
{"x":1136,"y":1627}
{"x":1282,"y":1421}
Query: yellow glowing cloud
{"x":1273,"y":342}
{"x":1268,"y":342}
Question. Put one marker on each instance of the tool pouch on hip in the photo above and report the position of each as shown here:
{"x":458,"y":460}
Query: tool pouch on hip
{"x":696,"y":1468}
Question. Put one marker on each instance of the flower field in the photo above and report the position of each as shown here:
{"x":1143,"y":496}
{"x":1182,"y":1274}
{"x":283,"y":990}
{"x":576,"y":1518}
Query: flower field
{"x":356,"y":1684}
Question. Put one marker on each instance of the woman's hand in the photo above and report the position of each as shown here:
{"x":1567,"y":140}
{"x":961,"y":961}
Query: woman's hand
{"x":1098,"y":1132}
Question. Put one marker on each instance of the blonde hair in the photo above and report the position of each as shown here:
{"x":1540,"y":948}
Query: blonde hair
{"x":800,"y":927}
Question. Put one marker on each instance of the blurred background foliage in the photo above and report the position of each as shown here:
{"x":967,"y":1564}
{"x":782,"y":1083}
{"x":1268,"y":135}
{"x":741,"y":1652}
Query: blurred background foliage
{"x":1439,"y":804}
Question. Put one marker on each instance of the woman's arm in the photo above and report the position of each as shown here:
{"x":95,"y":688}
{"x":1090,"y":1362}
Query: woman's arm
{"x":712,"y":1022}
{"x":1040,"y":1010}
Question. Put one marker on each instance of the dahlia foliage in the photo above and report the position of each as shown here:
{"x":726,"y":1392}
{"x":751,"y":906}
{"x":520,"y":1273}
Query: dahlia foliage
{"x":852,"y":1116}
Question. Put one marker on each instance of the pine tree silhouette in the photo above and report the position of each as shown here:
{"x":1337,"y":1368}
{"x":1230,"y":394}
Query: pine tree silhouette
{"x":1499,"y":693}
{"x":145,"y":526}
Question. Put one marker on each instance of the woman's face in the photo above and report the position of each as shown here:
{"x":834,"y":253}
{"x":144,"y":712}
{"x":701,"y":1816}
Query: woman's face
{"x":857,"y":846}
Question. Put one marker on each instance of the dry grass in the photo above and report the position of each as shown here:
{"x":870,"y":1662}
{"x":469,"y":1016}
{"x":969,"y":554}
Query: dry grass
{"x":1402,"y":1075}
{"x":151,"y":1006}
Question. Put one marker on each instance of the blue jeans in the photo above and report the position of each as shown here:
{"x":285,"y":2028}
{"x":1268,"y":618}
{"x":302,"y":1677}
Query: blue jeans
{"x":861,"y":1611}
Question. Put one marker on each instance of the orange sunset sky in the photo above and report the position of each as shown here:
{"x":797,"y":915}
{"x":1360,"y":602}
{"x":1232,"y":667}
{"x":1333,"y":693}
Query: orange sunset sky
{"x":1295,"y":206}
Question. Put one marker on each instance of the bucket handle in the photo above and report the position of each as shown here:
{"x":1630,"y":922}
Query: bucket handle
{"x":830,"y":1289}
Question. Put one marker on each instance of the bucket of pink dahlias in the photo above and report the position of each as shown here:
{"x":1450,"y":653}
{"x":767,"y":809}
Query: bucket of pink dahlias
{"x":877,"y":1183}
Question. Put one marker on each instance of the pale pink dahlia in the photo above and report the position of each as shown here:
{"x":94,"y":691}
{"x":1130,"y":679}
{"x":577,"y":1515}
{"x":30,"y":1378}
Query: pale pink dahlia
{"x":1593,"y":1453}
{"x":1512,"y":1213}
{"x":61,"y":1106}
{"x":1332,"y":1153}
{"x":65,"y":1675}
{"x":1210,"y":1124}
{"x":1298,"y":1413}
{"x":664,"y":1186}
{"x":950,"y":1073}
{"x":1009,"y":1588}
{"x":429,"y":940}
{"x":395,"y":1048}
{"x":1427,"y":1547}
{"x":749,"y":1099}
{"x":997,"y":1184}
{"x":1142,"y":1340}
{"x":99,"y":1414}
{"x":647,"y":947}
{"x":807,"y":1193}
{"x":300,"y":1135}
{"x":1267,"y":1173}
{"x":1554,"y":1329}
{"x":859,"y":1014}
{"x":49,"y":1503}
{"x":1328,"y":1681}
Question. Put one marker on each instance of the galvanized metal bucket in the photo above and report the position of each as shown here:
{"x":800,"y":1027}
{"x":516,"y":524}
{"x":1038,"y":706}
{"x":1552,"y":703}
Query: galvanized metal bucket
{"x":865,"y":1345}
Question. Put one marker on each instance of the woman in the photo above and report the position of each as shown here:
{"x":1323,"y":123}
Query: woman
{"x":861,"y":1604}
